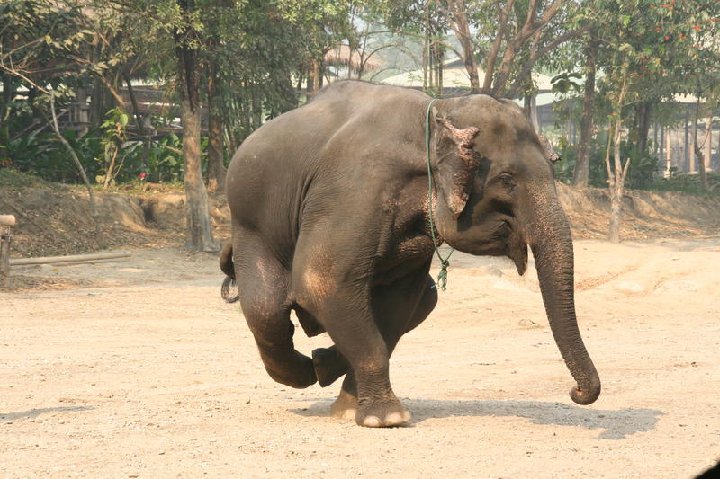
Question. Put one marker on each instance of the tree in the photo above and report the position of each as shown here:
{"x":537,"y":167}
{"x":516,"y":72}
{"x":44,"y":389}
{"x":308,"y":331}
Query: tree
{"x":581,"y":173}
{"x":40,"y":43}
{"x":616,"y":170}
{"x":646,"y":60}
{"x":187,"y":44}
{"x":461,"y":27}
{"x":216,"y":170}
{"x":522,"y":33}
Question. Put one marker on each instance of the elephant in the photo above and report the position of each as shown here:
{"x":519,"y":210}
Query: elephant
{"x":337,"y":209}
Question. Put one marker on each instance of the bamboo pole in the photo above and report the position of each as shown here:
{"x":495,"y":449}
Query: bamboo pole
{"x":6,"y":224}
{"x":76,"y":258}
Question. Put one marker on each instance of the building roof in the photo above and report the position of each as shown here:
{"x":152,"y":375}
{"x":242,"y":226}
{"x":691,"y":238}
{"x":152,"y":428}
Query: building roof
{"x":455,"y":76}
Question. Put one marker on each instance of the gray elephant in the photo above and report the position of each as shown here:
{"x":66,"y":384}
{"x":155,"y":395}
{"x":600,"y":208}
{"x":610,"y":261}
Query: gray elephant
{"x":331,"y":219}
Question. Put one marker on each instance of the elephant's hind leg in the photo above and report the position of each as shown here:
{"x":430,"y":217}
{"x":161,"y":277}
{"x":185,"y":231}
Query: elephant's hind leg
{"x":263,"y":284}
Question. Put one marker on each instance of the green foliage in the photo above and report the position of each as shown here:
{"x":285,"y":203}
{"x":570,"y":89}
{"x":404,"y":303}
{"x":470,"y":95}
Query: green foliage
{"x":260,"y":52}
{"x":43,"y":155}
{"x":35,"y":33}
{"x":113,"y":136}
{"x":164,"y":160}
{"x":688,"y":184}
{"x":564,"y":168}
{"x":643,"y":173}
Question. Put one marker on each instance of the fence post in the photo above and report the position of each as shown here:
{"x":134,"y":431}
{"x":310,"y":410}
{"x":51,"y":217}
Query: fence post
{"x":6,"y":224}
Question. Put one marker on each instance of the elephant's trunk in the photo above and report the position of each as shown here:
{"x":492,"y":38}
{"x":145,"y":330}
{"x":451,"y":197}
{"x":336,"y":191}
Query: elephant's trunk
{"x":550,"y":239}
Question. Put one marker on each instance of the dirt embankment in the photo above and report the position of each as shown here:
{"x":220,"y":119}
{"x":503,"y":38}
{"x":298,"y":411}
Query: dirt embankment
{"x":648,"y":214}
{"x":56,"y":220}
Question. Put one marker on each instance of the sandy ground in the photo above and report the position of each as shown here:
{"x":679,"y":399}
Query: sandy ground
{"x":136,"y":368}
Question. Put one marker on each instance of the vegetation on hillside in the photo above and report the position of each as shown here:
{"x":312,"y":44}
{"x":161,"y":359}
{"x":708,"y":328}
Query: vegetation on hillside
{"x":158,"y":91}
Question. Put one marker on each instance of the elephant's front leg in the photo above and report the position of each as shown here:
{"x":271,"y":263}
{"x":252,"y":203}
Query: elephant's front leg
{"x":399,"y":308}
{"x":357,"y":337}
{"x":342,"y":307}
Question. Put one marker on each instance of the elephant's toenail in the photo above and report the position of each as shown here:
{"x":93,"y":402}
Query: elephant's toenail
{"x":397,"y":418}
{"x":371,"y":421}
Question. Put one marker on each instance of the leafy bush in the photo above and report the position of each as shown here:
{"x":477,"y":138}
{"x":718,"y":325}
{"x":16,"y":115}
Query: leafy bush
{"x":598,"y":174}
{"x":43,"y":155}
{"x":164,"y":160}
{"x":159,"y":160}
{"x":642,"y":173}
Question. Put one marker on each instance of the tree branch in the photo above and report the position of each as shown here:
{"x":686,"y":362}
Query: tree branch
{"x":527,"y":31}
{"x":93,"y":205}
{"x":537,"y":54}
{"x":495,"y":46}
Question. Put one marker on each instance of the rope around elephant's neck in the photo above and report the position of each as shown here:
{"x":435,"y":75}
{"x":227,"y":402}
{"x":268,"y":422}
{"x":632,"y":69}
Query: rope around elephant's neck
{"x":444,"y":262}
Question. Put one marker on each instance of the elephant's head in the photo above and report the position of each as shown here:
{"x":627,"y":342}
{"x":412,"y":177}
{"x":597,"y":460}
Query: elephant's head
{"x":496,"y":195}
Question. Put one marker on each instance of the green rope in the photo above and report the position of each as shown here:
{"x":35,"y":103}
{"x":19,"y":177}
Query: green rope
{"x":444,"y":262}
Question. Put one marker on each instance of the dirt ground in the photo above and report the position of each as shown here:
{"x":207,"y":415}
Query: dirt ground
{"x":136,"y":368}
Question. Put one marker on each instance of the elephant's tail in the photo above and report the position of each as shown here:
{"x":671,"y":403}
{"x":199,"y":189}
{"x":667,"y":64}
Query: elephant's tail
{"x":228,"y":267}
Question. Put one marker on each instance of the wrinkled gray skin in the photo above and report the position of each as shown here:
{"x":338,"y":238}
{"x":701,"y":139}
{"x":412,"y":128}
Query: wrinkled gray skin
{"x":330,"y":219}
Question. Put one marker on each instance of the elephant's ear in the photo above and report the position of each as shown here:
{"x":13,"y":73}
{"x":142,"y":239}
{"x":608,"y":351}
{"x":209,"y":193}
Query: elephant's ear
{"x":456,"y":163}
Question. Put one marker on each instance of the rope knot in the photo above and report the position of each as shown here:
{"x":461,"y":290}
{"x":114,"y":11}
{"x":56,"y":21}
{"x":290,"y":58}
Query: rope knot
{"x":442,"y":275}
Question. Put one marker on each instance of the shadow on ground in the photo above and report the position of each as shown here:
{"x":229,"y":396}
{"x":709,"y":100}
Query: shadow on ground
{"x":613,"y":424}
{"x":33,"y":413}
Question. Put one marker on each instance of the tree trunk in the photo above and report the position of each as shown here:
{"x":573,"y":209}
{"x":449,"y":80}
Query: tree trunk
{"x":618,"y":172}
{"x":439,"y":60}
{"x":109,"y":172}
{"x":502,"y":32}
{"x":426,"y":57}
{"x":216,"y":159}
{"x":462,"y":31}
{"x":197,"y":215}
{"x":704,"y":159}
{"x":643,"y":113}
{"x":530,"y":109}
{"x":616,"y":181}
{"x":8,"y":94}
{"x":316,"y":77}
{"x":581,"y":174}
{"x":616,"y":196}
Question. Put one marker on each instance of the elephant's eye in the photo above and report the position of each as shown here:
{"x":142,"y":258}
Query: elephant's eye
{"x":506,"y":180}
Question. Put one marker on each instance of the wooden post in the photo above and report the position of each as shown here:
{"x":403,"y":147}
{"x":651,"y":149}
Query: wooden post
{"x":668,"y":152}
{"x":708,"y":144}
{"x":6,"y":224}
{"x":693,"y":158}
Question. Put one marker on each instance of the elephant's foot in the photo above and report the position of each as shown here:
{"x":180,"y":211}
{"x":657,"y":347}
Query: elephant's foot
{"x":294,"y":370}
{"x":385,"y":412}
{"x":344,"y":406}
{"x":329,"y":365}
